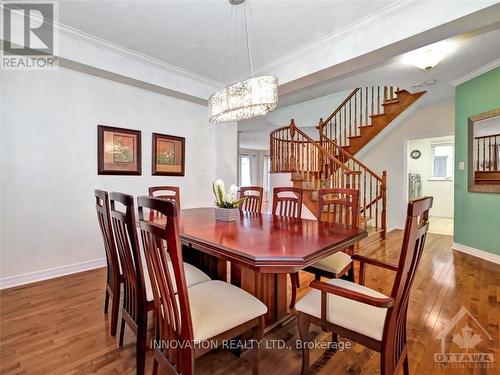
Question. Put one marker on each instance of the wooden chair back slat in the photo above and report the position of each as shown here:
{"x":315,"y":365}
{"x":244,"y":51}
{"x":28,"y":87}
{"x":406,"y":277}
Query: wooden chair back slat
{"x":417,"y":224}
{"x":253,"y":201}
{"x":127,"y":244}
{"x":162,"y":245}
{"x":170,"y":193}
{"x":339,"y":206}
{"x":103,"y":217}
{"x":287,"y":201}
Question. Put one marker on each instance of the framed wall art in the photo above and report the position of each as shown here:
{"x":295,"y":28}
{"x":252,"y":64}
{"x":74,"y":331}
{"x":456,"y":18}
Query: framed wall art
{"x":118,"y":151}
{"x":168,"y":155}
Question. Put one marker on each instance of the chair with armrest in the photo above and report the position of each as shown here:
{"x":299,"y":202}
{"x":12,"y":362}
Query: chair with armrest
{"x":337,"y":206}
{"x":190,"y":321}
{"x":363,"y":314}
{"x":287,"y":202}
{"x":253,"y":201}
{"x":114,"y":277}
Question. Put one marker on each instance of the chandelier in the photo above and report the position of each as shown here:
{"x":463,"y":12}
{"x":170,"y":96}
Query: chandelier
{"x":244,"y":99}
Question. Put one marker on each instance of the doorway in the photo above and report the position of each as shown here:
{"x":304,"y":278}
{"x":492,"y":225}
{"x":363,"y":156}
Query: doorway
{"x":430,"y":164}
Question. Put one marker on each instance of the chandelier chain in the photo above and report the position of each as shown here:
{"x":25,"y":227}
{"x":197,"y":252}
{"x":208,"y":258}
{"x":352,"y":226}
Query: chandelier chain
{"x":247,"y":38}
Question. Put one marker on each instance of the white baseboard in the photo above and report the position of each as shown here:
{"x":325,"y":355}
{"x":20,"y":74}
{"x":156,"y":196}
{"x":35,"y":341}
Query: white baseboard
{"x":476,"y":252}
{"x":32,"y":277}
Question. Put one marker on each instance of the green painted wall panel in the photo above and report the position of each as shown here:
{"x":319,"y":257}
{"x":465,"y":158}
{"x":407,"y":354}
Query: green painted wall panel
{"x":477,"y":215}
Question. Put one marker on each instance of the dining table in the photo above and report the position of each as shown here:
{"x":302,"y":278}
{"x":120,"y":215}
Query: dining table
{"x":257,"y":251}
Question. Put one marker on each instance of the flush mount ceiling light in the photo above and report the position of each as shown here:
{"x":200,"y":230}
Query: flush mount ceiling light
{"x":428,"y":57}
{"x":244,"y":99}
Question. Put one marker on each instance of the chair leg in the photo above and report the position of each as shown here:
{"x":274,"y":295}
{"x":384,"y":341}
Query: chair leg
{"x":258,"y":333}
{"x":106,"y":301}
{"x":141,"y":344}
{"x":122,"y":331}
{"x":115,"y":302}
{"x":303,"y":324}
{"x":406,"y":366}
{"x":295,"y":282}
{"x":334,"y":340}
{"x":155,"y":367}
{"x":350,"y":274}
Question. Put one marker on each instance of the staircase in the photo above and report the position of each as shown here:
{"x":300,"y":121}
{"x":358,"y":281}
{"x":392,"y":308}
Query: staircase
{"x":328,"y":161}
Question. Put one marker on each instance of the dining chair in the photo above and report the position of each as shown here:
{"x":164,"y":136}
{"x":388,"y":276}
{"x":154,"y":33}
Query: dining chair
{"x":138,"y":295}
{"x":287,"y":202}
{"x":339,"y":206}
{"x":362,"y":314}
{"x":114,"y":277}
{"x":193,"y":320}
{"x":172,"y":193}
{"x":253,"y":201}
{"x":135,"y":299}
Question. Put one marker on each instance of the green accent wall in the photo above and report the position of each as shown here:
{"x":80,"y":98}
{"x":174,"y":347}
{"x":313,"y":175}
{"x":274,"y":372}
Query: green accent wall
{"x":477,"y":215}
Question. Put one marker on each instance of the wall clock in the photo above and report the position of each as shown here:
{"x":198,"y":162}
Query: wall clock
{"x":415,"y":154}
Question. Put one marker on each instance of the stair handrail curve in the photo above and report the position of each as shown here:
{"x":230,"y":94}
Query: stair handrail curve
{"x":293,"y":129}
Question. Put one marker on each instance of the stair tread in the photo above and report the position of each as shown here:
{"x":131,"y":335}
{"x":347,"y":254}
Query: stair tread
{"x":390,"y":102}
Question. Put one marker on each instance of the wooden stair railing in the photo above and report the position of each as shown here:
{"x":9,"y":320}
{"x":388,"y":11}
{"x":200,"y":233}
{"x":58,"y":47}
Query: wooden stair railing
{"x":363,"y":114}
{"x":325,"y":164}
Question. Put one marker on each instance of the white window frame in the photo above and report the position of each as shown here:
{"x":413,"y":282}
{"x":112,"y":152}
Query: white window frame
{"x":449,"y":164}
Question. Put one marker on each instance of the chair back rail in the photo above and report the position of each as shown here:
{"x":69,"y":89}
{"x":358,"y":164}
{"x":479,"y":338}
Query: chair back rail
{"x":287,"y":201}
{"x":172,"y":311}
{"x":417,"y":224}
{"x":338,"y":206}
{"x":253,"y":201}
{"x":171,"y":193}
{"x":103,"y":217}
{"x":127,"y":244}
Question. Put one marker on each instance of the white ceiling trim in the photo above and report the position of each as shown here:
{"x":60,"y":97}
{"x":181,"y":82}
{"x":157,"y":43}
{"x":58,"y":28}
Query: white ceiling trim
{"x":477,"y":72}
{"x":93,"y":41}
{"x":106,"y":45}
{"x":364,"y":23}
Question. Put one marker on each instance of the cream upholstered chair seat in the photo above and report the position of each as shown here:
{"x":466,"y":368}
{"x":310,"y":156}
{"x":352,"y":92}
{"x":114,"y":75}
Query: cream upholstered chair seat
{"x":355,"y":316}
{"x":217,"y":306}
{"x":194,"y":276}
{"x":334,"y":263}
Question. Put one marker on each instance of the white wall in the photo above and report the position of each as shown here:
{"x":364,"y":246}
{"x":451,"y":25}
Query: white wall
{"x":390,"y":150}
{"x":441,"y":190}
{"x":49,"y":161}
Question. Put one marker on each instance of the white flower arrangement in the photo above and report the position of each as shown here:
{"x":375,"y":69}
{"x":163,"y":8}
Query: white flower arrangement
{"x":223,"y":199}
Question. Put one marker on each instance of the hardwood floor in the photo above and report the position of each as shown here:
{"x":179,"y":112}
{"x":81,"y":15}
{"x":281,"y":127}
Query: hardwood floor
{"x":58,"y":326}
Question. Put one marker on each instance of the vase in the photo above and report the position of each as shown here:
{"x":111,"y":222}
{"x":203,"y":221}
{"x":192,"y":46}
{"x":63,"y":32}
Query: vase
{"x":227,"y":214}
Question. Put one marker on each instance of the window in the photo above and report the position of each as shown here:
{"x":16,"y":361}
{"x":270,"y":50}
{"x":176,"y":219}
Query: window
{"x":442,"y":160}
{"x":245,"y":177}
{"x":267,"y":172}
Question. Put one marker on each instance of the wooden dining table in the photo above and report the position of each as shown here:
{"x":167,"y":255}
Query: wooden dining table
{"x":258,"y":251}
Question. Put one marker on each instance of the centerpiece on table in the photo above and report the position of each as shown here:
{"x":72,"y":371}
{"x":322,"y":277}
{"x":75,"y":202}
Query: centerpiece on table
{"x":227,"y":204}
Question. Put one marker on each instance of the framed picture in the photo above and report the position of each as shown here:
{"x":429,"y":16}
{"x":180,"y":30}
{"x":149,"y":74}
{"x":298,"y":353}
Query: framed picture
{"x":168,"y":155}
{"x":118,"y":151}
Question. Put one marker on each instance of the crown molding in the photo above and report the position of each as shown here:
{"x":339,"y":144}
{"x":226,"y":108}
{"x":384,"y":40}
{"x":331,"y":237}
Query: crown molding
{"x":359,"y":26}
{"x":477,"y":72}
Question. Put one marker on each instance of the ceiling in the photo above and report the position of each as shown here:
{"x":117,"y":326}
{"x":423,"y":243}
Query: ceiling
{"x":198,"y":36}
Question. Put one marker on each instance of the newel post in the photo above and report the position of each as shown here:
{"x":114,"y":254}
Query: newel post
{"x":384,"y":204}
{"x":291,"y":160}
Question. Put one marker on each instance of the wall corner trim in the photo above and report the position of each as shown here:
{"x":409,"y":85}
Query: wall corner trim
{"x":32,"y":277}
{"x":490,"y":257}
